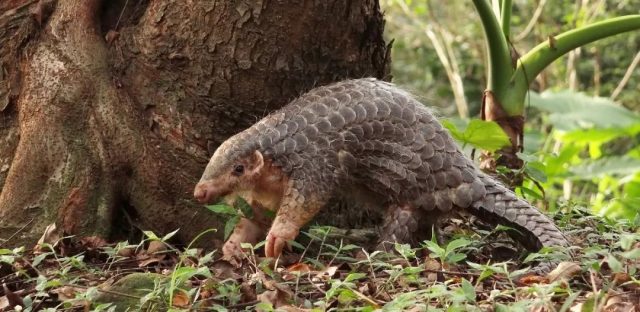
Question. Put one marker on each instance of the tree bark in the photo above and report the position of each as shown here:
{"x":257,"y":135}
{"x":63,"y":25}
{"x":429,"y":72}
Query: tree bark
{"x":110,"y":110}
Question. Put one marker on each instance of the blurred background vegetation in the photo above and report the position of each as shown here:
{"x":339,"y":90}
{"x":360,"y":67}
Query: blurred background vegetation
{"x":582,"y":129}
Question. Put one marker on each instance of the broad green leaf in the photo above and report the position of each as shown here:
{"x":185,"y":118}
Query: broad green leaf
{"x":170,"y":235}
{"x":571,"y":110}
{"x":456,"y":257}
{"x":529,"y":192}
{"x":222,"y":209}
{"x":486,"y":135}
{"x":435,"y":248}
{"x":457,"y":244}
{"x":569,"y":302}
{"x":350,"y":247}
{"x":614,"y":165}
{"x":38,"y":259}
{"x":626,"y":241}
{"x":591,"y":136}
{"x":469,"y":290}
{"x":228,"y":227}
{"x":536,"y":171}
{"x":150,"y":235}
{"x":345,"y":296}
{"x":244,"y":207}
{"x":354,"y":276}
{"x":614,"y":264}
{"x":632,"y":254}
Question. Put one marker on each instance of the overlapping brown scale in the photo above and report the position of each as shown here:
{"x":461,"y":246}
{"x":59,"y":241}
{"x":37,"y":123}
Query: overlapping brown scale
{"x":361,"y":112}
{"x":443,"y":200}
{"x":378,"y":128}
{"x":323,"y":125}
{"x":370,"y":108}
{"x":324,"y":107}
{"x":447,"y":161}
{"x":428,"y":132}
{"x":355,"y":95}
{"x":310,"y":116}
{"x":438,"y":141}
{"x":426,"y":201}
{"x":435,"y":162}
{"x":408,"y":114}
{"x":336,"y":120}
{"x":383,"y":109}
{"x":358,"y":131}
{"x":348,"y":114}
{"x":454,"y":177}
{"x":343,"y":98}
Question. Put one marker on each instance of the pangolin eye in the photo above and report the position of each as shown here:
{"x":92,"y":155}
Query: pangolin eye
{"x":238,"y":170}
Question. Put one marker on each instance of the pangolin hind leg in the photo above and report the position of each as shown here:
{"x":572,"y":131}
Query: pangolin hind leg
{"x":406,"y":224}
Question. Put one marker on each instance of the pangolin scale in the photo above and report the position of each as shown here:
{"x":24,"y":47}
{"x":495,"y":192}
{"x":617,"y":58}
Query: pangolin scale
{"x":364,"y":138}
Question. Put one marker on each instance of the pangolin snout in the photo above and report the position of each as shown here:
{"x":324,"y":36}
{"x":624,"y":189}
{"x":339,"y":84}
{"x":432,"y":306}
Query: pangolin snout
{"x":203,"y":193}
{"x":208,"y":191}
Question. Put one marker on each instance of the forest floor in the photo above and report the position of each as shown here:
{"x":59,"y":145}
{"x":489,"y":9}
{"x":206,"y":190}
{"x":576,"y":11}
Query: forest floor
{"x":478,"y":269}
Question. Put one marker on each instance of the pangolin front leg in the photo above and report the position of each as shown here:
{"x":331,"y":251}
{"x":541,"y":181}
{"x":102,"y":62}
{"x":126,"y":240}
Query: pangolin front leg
{"x":298,"y":207}
{"x":246,"y":231}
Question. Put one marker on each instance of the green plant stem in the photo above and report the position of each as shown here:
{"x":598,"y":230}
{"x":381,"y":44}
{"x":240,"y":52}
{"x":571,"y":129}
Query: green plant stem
{"x":536,"y":60}
{"x":500,"y":68}
{"x":505,"y":17}
{"x":496,"y":5}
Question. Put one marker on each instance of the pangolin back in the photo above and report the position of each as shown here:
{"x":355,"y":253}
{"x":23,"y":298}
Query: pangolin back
{"x":372,"y":134}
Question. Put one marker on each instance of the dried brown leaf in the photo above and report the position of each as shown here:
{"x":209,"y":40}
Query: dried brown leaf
{"x":180,"y":300}
{"x":93,"y":242}
{"x":529,"y":280}
{"x":13,"y":299}
{"x":156,"y":246}
{"x":111,"y":36}
{"x":126,"y":252}
{"x":276,"y":297}
{"x":564,"y":270}
{"x":299,"y":267}
{"x":50,"y":236}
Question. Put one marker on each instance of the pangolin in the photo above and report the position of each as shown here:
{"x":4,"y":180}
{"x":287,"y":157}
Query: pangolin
{"x":360,"y":138}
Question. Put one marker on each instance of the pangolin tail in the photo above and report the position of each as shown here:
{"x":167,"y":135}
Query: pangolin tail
{"x":501,"y":206}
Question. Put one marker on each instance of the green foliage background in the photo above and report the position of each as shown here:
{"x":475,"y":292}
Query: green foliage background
{"x":581,"y":144}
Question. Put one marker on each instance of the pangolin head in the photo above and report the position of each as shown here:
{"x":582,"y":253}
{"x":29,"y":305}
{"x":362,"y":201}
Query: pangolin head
{"x":233,"y":166}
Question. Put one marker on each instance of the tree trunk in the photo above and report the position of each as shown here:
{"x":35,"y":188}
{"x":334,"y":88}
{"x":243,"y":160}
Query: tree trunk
{"x":110,"y":111}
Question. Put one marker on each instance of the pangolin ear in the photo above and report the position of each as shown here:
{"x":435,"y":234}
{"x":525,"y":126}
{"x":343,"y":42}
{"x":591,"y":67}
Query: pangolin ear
{"x":257,"y":162}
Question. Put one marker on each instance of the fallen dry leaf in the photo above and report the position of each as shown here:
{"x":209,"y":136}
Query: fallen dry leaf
{"x":529,"y":280}
{"x":326,"y":274}
{"x":156,"y":246}
{"x":431,"y":266}
{"x":620,"y":278}
{"x":564,"y":271}
{"x":67,"y":292}
{"x":146,"y":260}
{"x":290,"y":308}
{"x":180,"y":300}
{"x":126,"y":252}
{"x":50,"y":236}
{"x":275,"y":297}
{"x":111,"y":36}
{"x":13,"y":299}
{"x":4,"y":303}
{"x":93,"y":242}
{"x":299,"y":267}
